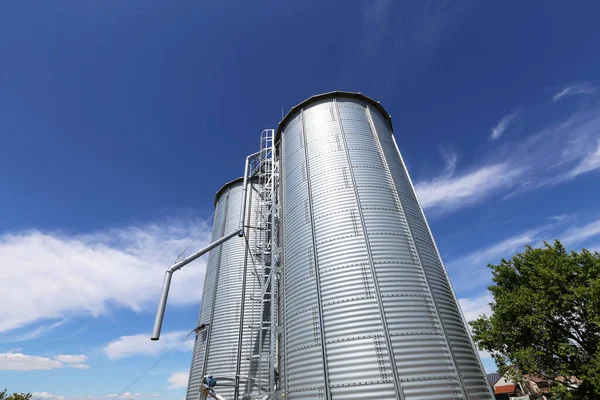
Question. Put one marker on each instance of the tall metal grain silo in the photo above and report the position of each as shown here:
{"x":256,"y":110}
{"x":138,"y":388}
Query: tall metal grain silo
{"x":369,"y":312}
{"x":231,"y":302}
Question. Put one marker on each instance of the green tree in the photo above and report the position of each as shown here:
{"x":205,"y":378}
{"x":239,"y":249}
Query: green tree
{"x":15,"y":396}
{"x":19,"y":396}
{"x":546,"y":318}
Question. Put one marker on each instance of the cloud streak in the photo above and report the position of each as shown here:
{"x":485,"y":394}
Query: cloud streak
{"x":582,"y":88}
{"x":71,"y":358}
{"x":135,"y":345}
{"x":46,"y":395}
{"x":473,"y":308}
{"x":34,"y":334}
{"x":178,"y":380}
{"x":92,"y":273}
{"x":502,"y":125}
{"x":561,"y":151}
{"x":589,"y":162}
{"x":416,"y":32}
{"x":469,"y":273}
{"x":579,"y":235}
{"x":448,"y":192}
{"x":23,"y":362}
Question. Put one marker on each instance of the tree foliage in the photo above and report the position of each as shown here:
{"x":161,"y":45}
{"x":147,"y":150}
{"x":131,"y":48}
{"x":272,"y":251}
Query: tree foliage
{"x":546,"y":318}
{"x":15,"y":396}
{"x":19,"y":396}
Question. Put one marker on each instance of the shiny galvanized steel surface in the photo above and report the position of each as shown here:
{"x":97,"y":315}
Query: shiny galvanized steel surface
{"x":368,"y":309}
{"x":216,"y":349}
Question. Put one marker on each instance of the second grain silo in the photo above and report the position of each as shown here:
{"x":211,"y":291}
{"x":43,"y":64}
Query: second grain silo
{"x":231,"y":309}
{"x":368,"y":311}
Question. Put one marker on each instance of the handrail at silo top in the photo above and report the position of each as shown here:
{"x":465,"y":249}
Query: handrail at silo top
{"x":233,"y":182}
{"x":332,"y":95}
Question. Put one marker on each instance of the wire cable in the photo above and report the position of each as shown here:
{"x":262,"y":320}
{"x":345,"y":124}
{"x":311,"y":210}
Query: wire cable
{"x":152,"y":366}
{"x":209,"y":220}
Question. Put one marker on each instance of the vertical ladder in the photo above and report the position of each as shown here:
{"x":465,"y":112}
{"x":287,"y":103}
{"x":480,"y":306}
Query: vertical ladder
{"x":264,"y":259}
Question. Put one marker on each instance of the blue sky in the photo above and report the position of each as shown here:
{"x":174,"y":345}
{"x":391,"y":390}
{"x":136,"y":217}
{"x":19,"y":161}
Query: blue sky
{"x":120,"y":120}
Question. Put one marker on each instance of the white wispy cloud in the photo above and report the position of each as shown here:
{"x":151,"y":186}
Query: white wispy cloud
{"x":178,"y":380}
{"x":127,"y":346}
{"x":80,"y":366}
{"x":469,"y":273}
{"x":581,"y":88}
{"x":424,"y":26}
{"x":71,"y":358}
{"x":90,"y":273}
{"x":504,"y":247}
{"x":559,"y":152}
{"x":502,"y":125}
{"x":450,"y":160}
{"x":558,"y":217}
{"x":565,"y":150}
{"x":374,"y":22}
{"x":472,"y":309}
{"x":580,"y":234}
{"x":589,"y":162}
{"x":46,"y":395}
{"x":448,"y":191}
{"x":24,"y":362}
{"x":37,"y":332}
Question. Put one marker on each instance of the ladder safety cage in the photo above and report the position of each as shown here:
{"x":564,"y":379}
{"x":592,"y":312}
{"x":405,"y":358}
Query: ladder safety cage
{"x":260,"y":228}
{"x":263,"y":173}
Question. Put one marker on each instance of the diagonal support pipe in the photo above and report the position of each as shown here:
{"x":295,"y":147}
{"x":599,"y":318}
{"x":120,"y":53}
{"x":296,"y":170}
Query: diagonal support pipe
{"x":162,"y":304}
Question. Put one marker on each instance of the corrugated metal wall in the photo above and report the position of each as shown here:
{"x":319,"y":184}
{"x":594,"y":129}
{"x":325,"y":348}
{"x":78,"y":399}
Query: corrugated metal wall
{"x":228,"y":280}
{"x":369,"y":312}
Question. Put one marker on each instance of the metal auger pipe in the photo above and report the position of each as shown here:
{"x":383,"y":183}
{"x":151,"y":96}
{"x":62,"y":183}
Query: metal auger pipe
{"x":244,"y":193}
{"x":162,"y":304}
